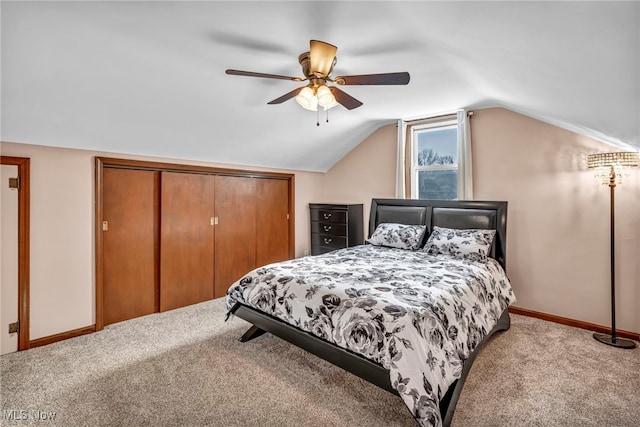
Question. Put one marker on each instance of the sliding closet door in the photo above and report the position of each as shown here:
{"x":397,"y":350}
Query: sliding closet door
{"x":236,"y":230}
{"x":130,"y":231}
{"x":186,"y":239}
{"x":272,"y":233}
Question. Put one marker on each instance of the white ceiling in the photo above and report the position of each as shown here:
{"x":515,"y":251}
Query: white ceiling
{"x":148,"y":77}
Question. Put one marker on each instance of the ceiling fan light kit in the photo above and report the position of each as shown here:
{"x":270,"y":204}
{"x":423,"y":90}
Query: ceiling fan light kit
{"x":317,"y":65}
{"x":311,"y":97}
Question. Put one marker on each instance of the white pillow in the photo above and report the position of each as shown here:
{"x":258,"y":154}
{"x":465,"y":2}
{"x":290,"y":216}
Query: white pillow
{"x":472,"y":244}
{"x":401,"y":236}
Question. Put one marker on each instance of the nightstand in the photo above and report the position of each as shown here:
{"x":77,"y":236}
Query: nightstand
{"x":335,"y":226}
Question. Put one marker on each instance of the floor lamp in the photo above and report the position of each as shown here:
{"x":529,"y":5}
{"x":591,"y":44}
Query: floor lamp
{"x":609,"y":168}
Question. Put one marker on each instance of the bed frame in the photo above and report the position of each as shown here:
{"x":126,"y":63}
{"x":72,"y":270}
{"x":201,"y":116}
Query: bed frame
{"x":450,"y":214}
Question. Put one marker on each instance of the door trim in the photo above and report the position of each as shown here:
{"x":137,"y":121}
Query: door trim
{"x":99,"y":246}
{"x":24,"y":196}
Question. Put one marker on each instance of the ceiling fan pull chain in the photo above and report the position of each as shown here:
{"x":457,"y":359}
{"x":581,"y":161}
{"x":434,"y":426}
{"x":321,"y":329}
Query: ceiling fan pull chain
{"x":327,"y":110}
{"x":318,"y":117}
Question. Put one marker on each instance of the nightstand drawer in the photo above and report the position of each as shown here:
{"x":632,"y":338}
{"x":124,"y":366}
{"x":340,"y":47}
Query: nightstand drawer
{"x":329,"y":228}
{"x":328,"y":215}
{"x":335,"y":242}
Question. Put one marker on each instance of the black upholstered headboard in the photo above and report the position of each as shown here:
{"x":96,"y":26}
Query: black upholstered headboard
{"x":462,"y":214}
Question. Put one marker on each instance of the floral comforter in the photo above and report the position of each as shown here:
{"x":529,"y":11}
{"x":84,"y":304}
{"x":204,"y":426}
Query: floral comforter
{"x":418,"y":315}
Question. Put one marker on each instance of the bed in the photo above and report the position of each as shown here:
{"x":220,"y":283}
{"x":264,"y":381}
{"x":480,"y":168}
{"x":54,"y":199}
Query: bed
{"x":407,"y":312}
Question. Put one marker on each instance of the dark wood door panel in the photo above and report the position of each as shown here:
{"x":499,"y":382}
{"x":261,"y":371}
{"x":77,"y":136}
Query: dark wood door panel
{"x":236,"y":230}
{"x":186,"y":239}
{"x":272,"y":220}
{"x":130,"y":243}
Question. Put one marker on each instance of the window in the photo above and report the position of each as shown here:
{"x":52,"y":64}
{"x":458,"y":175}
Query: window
{"x":434,"y":161}
{"x":437,"y":164}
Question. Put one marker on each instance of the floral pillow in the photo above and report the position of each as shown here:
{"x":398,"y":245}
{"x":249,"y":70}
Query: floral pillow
{"x":400,"y":236}
{"x":472,"y":244}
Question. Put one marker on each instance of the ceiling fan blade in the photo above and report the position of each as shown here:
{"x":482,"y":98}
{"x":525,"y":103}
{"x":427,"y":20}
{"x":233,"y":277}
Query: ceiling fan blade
{"x":322,"y":56}
{"x":374,"y":79}
{"x":264,"y":75}
{"x":347,"y":101}
{"x":286,"y":96}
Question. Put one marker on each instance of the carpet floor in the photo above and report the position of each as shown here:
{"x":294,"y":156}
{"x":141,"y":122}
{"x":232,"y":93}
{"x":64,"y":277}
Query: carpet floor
{"x":186,"y":367}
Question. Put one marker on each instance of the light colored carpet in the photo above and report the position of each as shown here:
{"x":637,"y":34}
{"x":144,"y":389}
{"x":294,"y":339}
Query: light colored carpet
{"x":186,"y":368}
{"x":543,"y":374}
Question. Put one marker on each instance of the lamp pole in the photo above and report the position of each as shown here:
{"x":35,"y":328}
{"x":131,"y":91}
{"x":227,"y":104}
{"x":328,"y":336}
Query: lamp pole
{"x":612,"y":339}
{"x":612,"y":232}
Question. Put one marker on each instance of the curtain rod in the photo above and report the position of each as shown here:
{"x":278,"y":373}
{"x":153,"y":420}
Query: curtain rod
{"x":439,"y":116}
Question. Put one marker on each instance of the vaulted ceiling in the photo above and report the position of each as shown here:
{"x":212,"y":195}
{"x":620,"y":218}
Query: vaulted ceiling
{"x":149,"y":77}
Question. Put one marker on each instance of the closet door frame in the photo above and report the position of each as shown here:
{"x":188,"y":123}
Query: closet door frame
{"x":109,"y":162}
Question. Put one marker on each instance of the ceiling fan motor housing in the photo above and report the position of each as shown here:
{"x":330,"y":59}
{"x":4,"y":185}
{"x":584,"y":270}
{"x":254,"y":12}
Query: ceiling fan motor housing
{"x":305,"y":61}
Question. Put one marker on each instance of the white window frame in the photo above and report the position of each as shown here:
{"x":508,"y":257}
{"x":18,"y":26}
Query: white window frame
{"x":415,"y":168}
{"x":406,"y":146}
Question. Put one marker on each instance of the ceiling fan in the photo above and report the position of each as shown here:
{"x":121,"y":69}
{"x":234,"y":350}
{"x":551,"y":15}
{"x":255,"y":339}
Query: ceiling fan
{"x":317,"y":65}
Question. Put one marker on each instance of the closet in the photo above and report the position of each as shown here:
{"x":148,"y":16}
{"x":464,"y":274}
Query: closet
{"x":169,"y":235}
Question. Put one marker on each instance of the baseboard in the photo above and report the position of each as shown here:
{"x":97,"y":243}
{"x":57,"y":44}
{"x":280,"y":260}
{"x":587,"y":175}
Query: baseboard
{"x":515,"y":310}
{"x":39,"y":342}
{"x":576,"y":323}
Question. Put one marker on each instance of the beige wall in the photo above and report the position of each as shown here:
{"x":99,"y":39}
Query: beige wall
{"x":558,"y":225}
{"x":62,"y":232}
{"x":558,"y":250}
{"x":558,"y":218}
{"x":367,"y":172}
{"x":61,"y":245}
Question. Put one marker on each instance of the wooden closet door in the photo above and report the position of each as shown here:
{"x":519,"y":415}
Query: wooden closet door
{"x":186,"y":239}
{"x":272,"y":233}
{"x":130,"y":243}
{"x":236,"y":230}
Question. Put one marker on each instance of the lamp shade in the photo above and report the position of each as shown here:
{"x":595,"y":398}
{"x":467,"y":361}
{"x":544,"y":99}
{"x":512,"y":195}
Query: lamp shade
{"x":621,"y":159}
{"x":325,"y":97}
{"x":306,"y":98}
{"x":611,"y":167}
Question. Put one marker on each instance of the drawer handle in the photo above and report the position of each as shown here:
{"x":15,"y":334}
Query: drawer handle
{"x":327,"y":240}
{"x":326,"y":215}
{"x":327,"y":228}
